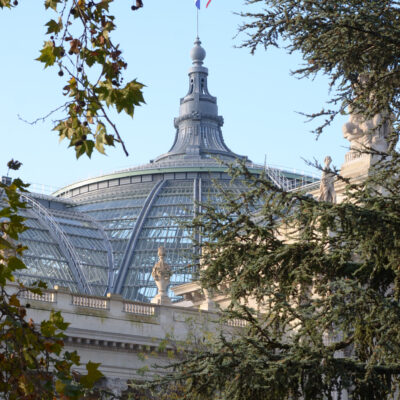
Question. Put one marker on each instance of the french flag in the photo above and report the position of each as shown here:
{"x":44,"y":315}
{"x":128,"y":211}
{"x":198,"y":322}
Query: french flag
{"x":197,"y":2}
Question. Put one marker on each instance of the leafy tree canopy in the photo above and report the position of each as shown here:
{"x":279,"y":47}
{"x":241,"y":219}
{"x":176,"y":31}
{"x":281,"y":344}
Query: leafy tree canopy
{"x":34,"y":363}
{"x":79,"y":46}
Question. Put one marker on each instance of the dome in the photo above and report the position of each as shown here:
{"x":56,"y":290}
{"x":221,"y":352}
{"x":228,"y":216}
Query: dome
{"x":102,"y":235}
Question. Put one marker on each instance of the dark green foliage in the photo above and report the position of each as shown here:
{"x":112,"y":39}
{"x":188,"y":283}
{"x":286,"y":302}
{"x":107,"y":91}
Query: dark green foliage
{"x":355,"y":43}
{"x":317,"y":283}
{"x":325,"y":278}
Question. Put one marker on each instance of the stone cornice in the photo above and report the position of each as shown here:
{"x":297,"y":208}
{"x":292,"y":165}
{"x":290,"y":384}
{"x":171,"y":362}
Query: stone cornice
{"x":196,"y":116}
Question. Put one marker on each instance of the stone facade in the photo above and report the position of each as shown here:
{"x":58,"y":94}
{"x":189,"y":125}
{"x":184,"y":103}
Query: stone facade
{"x":123,"y":336}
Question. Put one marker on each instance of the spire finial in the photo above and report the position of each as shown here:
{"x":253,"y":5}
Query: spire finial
{"x":198,"y":54}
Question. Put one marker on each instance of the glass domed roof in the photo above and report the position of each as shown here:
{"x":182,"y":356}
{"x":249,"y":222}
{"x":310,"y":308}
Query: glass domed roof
{"x":101,"y":235}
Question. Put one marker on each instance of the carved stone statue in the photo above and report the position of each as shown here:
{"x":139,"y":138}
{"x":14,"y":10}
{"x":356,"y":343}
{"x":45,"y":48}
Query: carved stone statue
{"x":327,"y":186}
{"x":161,"y":274}
{"x":367,"y":134}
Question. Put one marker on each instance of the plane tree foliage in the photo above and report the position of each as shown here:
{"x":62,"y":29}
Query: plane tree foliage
{"x":79,"y":47}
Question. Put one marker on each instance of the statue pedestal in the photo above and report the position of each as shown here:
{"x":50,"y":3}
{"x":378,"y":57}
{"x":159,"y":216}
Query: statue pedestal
{"x":161,"y":299}
{"x":356,"y":165}
{"x":208,"y":304}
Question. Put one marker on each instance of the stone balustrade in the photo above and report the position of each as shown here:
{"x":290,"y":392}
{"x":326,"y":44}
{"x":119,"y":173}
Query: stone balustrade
{"x":49,"y":297}
{"x":237,"y":322}
{"x":139,"y":308}
{"x":123,"y":336}
{"x":91,"y":302}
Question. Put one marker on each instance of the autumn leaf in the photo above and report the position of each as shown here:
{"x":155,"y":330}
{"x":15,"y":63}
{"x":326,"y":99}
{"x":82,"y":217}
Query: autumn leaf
{"x":47,"y":55}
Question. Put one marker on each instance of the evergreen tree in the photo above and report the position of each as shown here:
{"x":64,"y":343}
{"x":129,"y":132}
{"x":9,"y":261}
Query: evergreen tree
{"x":324,"y":277}
{"x":343,"y":40}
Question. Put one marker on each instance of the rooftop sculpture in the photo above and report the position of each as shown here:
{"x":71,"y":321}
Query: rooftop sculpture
{"x":327,"y":185}
{"x":367,"y":134}
{"x":161,"y":274}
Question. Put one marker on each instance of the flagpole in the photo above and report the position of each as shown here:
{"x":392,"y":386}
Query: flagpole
{"x":197,"y":15}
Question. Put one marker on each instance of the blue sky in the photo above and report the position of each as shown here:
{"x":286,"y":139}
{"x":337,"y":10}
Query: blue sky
{"x":257,"y":96}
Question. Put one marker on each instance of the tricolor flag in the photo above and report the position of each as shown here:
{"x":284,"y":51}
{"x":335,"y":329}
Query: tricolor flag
{"x":197,"y":3}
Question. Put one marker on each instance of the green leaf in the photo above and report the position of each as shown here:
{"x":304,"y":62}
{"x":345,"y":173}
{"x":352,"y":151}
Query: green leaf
{"x":73,"y":357}
{"x":109,"y":140}
{"x":5,"y":244}
{"x":92,"y":376}
{"x":143,"y":370}
{"x":130,"y":95}
{"x":53,"y":26}
{"x":47,"y":55}
{"x":5,"y":212}
{"x":47,"y":328}
{"x":123,"y":99}
{"x":57,"y":319}
{"x":36,"y":290}
{"x":60,"y":387}
{"x":100,"y":144}
{"x":15,"y":263}
{"x":51,"y":4}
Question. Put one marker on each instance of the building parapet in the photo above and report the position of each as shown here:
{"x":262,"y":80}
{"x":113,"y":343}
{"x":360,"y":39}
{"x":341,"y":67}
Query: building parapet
{"x":124,"y":336}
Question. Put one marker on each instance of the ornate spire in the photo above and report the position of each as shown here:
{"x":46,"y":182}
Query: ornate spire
{"x":198,"y":127}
